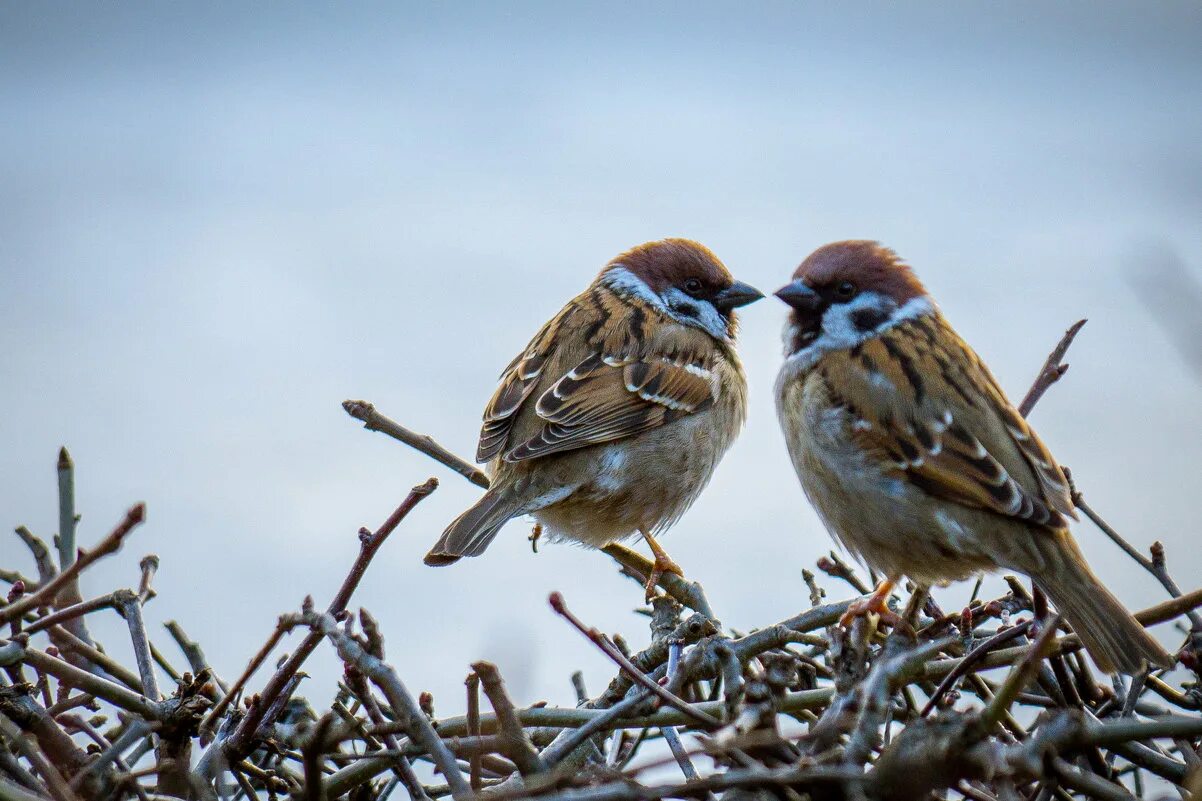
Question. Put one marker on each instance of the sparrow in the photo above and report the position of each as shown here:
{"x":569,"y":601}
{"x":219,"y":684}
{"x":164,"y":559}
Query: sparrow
{"x":612,"y":419}
{"x":914,"y":459}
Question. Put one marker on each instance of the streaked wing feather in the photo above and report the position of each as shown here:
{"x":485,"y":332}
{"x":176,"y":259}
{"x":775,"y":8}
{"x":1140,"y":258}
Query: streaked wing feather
{"x":606,"y":398}
{"x":963,"y":446}
{"x":517,"y":383}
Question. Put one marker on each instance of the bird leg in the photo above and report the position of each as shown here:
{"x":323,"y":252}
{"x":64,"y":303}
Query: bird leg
{"x":663,"y":564}
{"x":877,"y":604}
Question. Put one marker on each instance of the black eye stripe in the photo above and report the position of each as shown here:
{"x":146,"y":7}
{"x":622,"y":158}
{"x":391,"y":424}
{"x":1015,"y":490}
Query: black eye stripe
{"x":868,"y":319}
{"x":687,"y":309}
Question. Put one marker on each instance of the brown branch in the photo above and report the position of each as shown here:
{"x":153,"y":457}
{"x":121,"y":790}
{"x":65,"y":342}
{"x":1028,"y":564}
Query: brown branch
{"x":374,"y":421}
{"x":516,"y":743}
{"x":239,"y":743}
{"x":403,"y":705}
{"x":46,"y":594}
{"x":608,"y":648}
{"x":1052,"y":370}
{"x":472,"y":683}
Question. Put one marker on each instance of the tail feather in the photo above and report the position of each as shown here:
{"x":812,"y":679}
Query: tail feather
{"x":471,"y":532}
{"x":1114,"y":638}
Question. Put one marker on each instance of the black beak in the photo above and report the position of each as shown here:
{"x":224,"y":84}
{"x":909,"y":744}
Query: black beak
{"x":736,"y":295}
{"x":800,"y":297}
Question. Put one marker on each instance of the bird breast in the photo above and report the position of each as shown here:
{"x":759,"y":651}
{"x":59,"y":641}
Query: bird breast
{"x":874,"y":513}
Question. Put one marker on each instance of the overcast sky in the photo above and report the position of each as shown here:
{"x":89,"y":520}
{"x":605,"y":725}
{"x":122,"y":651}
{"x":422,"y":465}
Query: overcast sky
{"x":218,"y":222}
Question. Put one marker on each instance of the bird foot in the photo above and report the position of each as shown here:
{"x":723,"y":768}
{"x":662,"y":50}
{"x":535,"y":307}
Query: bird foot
{"x":662,"y":565}
{"x":876,"y":604}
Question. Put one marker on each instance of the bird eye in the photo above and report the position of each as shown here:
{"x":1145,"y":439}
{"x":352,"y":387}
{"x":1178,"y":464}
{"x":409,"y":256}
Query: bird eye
{"x":692,"y":286}
{"x":846,"y":290}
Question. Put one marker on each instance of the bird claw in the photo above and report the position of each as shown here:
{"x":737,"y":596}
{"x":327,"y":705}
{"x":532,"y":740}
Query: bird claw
{"x":876,"y":604}
{"x":662,"y":565}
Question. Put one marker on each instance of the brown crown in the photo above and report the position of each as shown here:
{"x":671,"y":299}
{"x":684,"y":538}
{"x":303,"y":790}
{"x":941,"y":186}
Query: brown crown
{"x":867,"y":264}
{"x":669,"y":262}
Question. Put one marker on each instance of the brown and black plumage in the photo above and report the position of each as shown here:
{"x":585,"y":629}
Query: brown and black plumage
{"x":912,"y":454}
{"x":614,"y":416}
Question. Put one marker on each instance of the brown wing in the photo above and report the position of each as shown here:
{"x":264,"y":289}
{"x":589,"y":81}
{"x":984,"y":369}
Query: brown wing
{"x":589,"y":376}
{"x":969,"y":445}
{"x":517,"y":382}
{"x":604,"y":399}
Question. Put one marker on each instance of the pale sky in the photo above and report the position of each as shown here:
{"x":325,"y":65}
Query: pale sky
{"x":218,"y":222}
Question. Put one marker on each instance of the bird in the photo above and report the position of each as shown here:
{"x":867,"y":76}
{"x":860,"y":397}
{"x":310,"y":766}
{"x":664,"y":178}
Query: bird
{"x":914,"y":459}
{"x":612,"y":419}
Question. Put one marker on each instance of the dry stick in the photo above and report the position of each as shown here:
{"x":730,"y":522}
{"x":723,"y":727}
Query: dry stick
{"x":602,"y":642}
{"x":47,"y":570}
{"x":56,"y":783}
{"x":517,"y":745}
{"x":374,"y":421}
{"x":112,"y":751}
{"x":971,"y":658}
{"x":669,"y":732}
{"x":72,"y":612}
{"x":238,"y":743}
{"x":130,"y":606}
{"x":65,"y":540}
{"x":68,"y":644}
{"x":1020,"y":676}
{"x":473,"y":726}
{"x":46,"y":594}
{"x":89,"y":683}
{"x":66,"y":510}
{"x":1052,"y":370}
{"x":195,"y":656}
{"x":403,"y":770}
{"x":688,"y":593}
{"x":404,"y":707}
{"x":209,"y":724}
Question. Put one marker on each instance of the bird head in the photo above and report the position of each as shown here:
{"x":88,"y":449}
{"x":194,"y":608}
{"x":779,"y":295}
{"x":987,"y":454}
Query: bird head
{"x":684,"y":280}
{"x":845,"y":292}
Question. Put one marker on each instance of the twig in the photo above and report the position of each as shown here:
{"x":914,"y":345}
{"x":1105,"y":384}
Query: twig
{"x":971,"y":658}
{"x":1052,"y":370}
{"x":602,"y":642}
{"x":517,"y":745}
{"x":473,"y":726}
{"x":374,"y":421}
{"x":404,"y":707}
{"x":688,"y":593}
{"x":195,"y":656}
{"x":46,"y":594}
{"x":369,"y":543}
{"x":130,"y":605}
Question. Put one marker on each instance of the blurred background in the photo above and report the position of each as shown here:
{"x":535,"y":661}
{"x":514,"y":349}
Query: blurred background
{"x":218,"y":222}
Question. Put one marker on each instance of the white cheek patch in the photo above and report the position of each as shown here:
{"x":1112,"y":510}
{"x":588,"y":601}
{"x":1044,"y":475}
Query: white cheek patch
{"x":693,"y":312}
{"x":673,"y":303}
{"x":624,"y":282}
{"x":840,"y":330}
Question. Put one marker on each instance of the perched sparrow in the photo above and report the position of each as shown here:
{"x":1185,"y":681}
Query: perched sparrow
{"x":612,"y":420}
{"x":914,"y":458}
